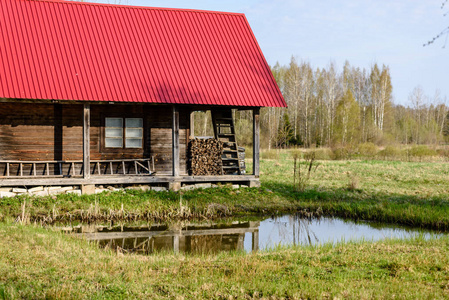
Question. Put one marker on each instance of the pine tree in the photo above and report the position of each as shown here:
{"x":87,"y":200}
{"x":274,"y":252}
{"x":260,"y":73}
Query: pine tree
{"x":285,"y":132}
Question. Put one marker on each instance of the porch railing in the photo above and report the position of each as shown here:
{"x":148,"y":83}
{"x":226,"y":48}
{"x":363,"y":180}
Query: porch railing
{"x":59,"y":168}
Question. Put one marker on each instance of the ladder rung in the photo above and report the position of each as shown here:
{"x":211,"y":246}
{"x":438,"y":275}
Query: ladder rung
{"x":226,"y":134}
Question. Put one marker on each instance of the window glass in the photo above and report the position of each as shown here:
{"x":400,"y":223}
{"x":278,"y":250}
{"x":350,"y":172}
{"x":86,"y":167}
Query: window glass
{"x":114,"y":122}
{"x":133,"y":143}
{"x":114,"y":132}
{"x":114,"y":143}
{"x":134,"y":132}
{"x":134,"y":122}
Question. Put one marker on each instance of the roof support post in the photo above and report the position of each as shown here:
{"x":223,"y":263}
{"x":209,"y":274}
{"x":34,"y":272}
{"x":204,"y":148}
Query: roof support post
{"x":256,"y":141}
{"x":175,"y":140}
{"x":192,"y":125}
{"x":86,"y":141}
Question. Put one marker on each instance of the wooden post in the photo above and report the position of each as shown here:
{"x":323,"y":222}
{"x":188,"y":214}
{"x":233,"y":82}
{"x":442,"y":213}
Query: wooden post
{"x":192,"y":125}
{"x":175,"y":141}
{"x":256,"y":140}
{"x":255,"y":240}
{"x":86,"y":142}
{"x":176,"y":243}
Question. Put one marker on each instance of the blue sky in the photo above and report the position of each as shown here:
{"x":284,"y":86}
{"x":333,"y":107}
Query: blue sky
{"x":363,"y":32}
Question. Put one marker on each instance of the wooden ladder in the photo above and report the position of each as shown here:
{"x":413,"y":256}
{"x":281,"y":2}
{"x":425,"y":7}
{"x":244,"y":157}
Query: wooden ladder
{"x":224,"y":131}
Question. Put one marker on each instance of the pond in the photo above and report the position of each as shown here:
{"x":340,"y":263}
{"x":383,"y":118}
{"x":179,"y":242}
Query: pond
{"x":241,"y":235}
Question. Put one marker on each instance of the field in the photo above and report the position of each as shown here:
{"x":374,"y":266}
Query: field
{"x":38,"y":262}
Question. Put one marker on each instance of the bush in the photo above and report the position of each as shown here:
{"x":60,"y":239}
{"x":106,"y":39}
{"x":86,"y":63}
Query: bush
{"x":420,"y":151}
{"x":444,"y":153}
{"x":367,"y":149}
{"x":297,"y":153}
{"x":341,"y":154}
{"x":390,"y":152}
{"x":320,"y":154}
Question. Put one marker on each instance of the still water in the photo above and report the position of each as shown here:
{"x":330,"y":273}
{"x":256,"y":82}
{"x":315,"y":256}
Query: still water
{"x":241,"y":236}
{"x":291,"y":230}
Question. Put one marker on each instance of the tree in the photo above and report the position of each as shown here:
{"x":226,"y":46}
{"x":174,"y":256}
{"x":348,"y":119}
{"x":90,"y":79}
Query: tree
{"x":347,"y":120}
{"x":306,"y":103}
{"x":330,"y":94}
{"x":446,"y":127}
{"x":354,"y":105}
{"x":381,"y":96}
{"x":292,"y":92}
{"x":417,"y":99}
{"x":285,"y":132}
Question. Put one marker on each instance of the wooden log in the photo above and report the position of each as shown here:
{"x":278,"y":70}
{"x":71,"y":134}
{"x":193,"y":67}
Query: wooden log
{"x":205,"y":157}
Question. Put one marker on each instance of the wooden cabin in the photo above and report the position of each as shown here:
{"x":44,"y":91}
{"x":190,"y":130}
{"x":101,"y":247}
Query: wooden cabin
{"x":98,"y":94}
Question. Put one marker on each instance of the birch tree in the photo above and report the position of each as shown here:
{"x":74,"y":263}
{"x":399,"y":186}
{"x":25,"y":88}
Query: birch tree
{"x":330,"y":95}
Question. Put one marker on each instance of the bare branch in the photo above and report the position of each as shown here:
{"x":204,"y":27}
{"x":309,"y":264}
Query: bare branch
{"x":443,"y":32}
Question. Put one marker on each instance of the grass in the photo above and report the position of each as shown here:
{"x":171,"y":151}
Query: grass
{"x":409,"y":193}
{"x":41,"y":263}
{"x":37,"y":263}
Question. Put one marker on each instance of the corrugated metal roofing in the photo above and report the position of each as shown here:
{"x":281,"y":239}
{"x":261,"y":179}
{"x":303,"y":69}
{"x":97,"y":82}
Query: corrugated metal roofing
{"x":64,"y":50}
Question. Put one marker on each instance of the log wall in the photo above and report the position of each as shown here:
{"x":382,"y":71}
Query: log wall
{"x":42,"y":132}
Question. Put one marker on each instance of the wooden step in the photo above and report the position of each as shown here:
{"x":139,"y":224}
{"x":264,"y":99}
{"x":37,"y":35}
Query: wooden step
{"x":230,"y":167}
{"x":229,"y":151}
{"x":226,"y":135}
{"x":224,"y":131}
{"x":229,"y":159}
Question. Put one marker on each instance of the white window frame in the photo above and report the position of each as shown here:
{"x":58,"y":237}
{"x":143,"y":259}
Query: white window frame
{"x":125,"y":129}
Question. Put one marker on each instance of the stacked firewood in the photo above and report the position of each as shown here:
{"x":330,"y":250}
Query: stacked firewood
{"x":205,"y":157}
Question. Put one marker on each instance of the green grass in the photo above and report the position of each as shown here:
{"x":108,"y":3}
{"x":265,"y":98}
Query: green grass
{"x":408,"y":193}
{"x":37,"y":263}
{"x":41,"y":263}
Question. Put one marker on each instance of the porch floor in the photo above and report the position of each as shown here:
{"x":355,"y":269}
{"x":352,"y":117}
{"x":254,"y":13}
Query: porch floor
{"x":164,"y":180}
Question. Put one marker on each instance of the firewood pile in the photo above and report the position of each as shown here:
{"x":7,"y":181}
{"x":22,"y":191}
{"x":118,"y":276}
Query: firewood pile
{"x":205,"y":157}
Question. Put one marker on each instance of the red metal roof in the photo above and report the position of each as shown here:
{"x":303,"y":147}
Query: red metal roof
{"x":63,"y":50}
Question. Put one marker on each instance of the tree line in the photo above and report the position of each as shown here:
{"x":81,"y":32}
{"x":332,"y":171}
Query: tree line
{"x":343,"y":108}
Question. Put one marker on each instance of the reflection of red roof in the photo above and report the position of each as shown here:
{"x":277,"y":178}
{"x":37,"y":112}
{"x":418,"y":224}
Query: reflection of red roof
{"x":65,"y":50}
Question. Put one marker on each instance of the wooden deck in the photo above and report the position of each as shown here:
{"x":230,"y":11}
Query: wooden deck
{"x":116,"y":180}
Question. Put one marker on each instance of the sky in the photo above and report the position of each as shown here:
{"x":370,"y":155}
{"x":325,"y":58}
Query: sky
{"x":362,"y":32}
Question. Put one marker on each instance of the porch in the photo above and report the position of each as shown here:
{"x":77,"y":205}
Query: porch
{"x":54,"y":144}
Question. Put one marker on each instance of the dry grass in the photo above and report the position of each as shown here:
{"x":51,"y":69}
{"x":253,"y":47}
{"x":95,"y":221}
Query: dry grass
{"x":41,"y":264}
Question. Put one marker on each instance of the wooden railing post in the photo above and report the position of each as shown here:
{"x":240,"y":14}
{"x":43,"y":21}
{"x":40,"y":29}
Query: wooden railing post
{"x":256,"y":140}
{"x":86,"y":141}
{"x":175,"y":139}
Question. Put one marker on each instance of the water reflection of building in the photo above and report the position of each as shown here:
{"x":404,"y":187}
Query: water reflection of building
{"x":189,"y":239}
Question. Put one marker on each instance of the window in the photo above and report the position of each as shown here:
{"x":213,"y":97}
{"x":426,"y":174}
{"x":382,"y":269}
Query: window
{"x":127,"y":132}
